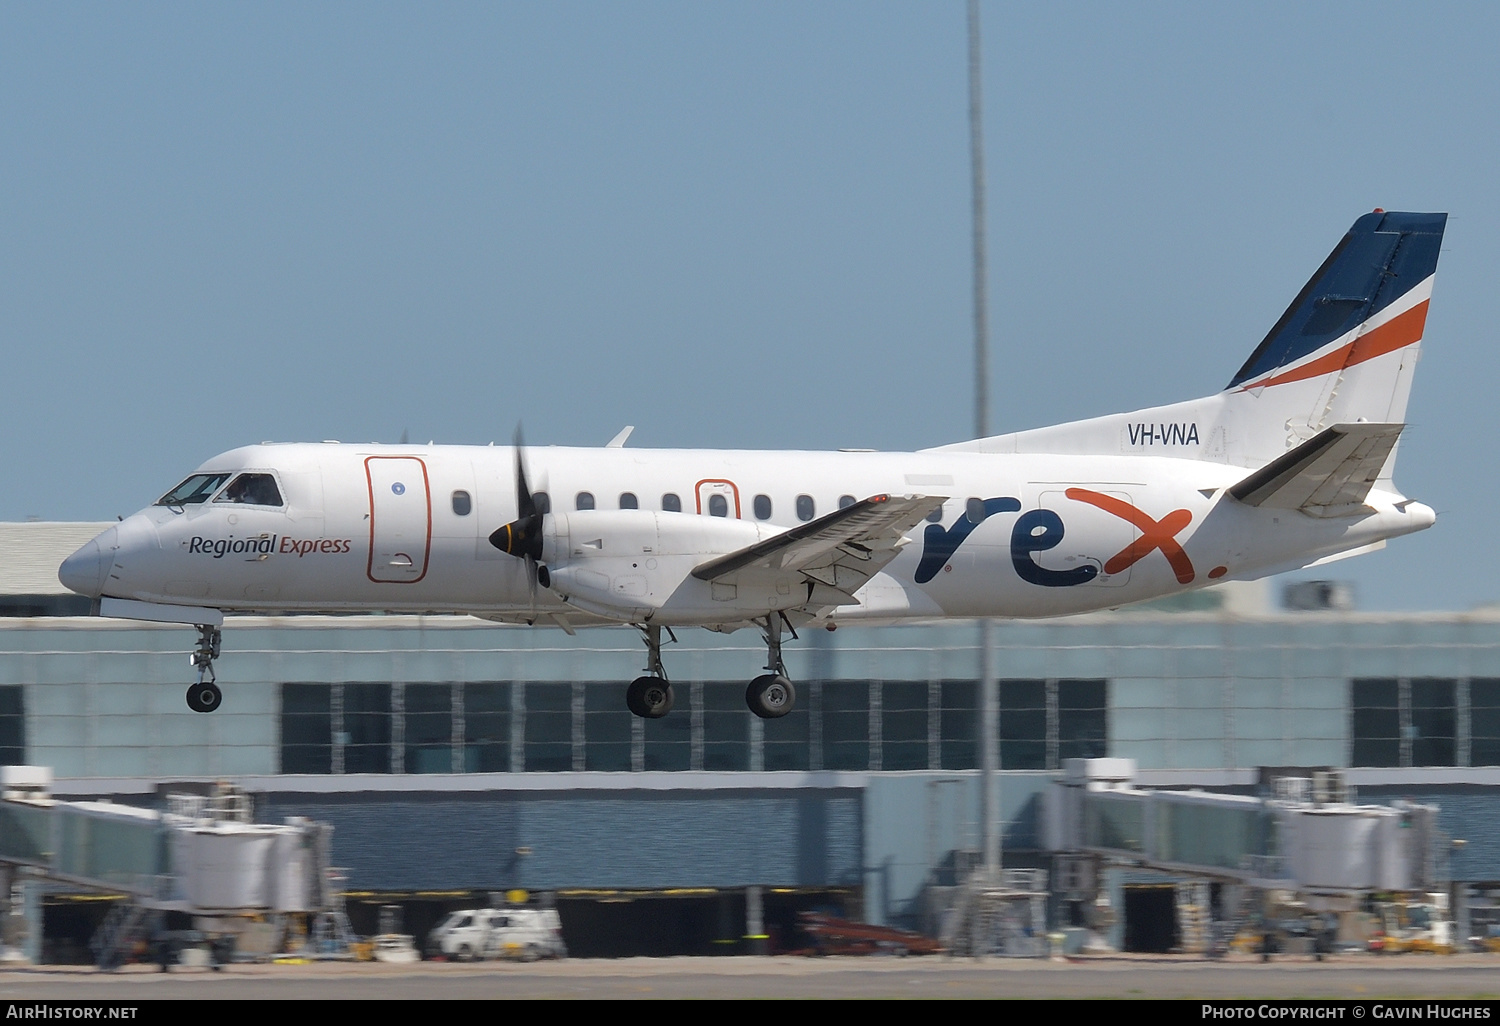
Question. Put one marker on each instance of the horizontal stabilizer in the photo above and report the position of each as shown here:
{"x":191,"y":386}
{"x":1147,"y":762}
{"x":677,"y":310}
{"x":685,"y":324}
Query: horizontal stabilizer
{"x":1329,"y":472}
{"x":860,"y":538}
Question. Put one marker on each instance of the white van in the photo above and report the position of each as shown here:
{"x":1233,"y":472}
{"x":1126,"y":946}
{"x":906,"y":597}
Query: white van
{"x":482,"y":933}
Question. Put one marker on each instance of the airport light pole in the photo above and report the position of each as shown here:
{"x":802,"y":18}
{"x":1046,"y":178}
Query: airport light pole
{"x":989,"y":720}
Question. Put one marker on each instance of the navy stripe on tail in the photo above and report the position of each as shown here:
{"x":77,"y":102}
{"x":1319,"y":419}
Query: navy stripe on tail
{"x":1384,"y":256}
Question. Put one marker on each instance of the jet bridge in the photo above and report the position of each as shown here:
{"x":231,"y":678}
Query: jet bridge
{"x":1306,"y":837}
{"x":1292,"y":856}
{"x":203,"y":857}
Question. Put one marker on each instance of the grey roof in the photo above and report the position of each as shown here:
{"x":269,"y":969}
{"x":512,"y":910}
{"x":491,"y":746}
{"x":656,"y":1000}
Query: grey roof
{"x":31,"y":553}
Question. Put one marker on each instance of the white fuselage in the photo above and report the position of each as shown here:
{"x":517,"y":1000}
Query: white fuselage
{"x":406,"y":529}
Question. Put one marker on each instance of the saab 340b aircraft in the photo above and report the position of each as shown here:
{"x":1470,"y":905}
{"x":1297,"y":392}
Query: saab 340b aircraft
{"x":1289,"y":466}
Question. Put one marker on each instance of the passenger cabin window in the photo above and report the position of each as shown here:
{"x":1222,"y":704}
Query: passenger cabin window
{"x":543,"y":502}
{"x":671,"y":503}
{"x":629,"y":501}
{"x":762,"y":507}
{"x":936,"y":516}
{"x":584,"y":500}
{"x":194,"y":490}
{"x":974,"y":510}
{"x":462,"y":504}
{"x":252,"y":490}
{"x":718,"y":506}
{"x":805,"y":507}
{"x":845,"y":501}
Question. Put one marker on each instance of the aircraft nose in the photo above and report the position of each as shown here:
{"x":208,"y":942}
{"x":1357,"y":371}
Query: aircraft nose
{"x":85,"y":570}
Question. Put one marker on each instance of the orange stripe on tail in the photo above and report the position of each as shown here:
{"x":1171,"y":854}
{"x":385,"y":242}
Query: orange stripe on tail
{"x":1397,"y":333}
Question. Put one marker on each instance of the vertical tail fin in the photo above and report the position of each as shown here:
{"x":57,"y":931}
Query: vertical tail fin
{"x":1343,"y":353}
{"x":1345,"y":349}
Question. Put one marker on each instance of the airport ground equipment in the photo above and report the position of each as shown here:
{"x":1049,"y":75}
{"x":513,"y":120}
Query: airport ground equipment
{"x":202,"y":858}
{"x":834,"y":936}
{"x":997,"y":914}
{"x":471,"y":935}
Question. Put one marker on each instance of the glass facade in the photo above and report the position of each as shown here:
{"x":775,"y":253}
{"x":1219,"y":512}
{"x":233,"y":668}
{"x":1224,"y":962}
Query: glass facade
{"x":395,"y":695}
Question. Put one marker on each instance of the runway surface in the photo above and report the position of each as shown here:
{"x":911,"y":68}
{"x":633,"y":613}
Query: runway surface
{"x":1124,"y":976}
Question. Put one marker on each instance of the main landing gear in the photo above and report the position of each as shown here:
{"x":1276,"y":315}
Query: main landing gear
{"x":650,"y":697}
{"x":769,"y":696}
{"x":204,"y":695}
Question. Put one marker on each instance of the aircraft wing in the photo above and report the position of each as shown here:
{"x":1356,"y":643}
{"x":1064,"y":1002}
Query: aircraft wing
{"x":841,"y":550}
{"x":1328,"y":473}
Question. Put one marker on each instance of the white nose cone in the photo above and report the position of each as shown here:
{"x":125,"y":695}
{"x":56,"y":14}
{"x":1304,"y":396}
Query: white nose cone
{"x":85,"y":570}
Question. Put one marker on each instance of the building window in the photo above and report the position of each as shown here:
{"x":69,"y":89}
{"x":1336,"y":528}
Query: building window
{"x":1434,"y":722}
{"x":486,"y":727}
{"x":668,"y":741}
{"x":1023,"y":724}
{"x":846,"y":724}
{"x":726,"y":727}
{"x":958,"y":724}
{"x":366,"y":733}
{"x":549,"y":727}
{"x":903,"y":725}
{"x":1484,"y":721}
{"x":428,"y":728}
{"x":12,"y":725}
{"x":787,"y":741}
{"x":1082,"y":721}
{"x":306,"y":728}
{"x":1377,"y":722}
{"x":606,"y":728}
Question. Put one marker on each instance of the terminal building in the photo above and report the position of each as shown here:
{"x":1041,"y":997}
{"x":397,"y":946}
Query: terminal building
{"x":455,"y":758}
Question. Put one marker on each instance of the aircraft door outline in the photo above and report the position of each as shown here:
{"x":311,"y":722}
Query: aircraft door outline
{"x":705,"y":490}
{"x":400,"y":519}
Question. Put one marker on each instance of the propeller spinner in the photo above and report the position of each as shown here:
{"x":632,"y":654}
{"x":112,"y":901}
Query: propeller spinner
{"x":522,"y":537}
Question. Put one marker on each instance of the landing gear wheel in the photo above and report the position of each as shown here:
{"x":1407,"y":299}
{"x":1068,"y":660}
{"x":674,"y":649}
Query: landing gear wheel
{"x":204,"y":697}
{"x":770,"y":696}
{"x":649,"y":697}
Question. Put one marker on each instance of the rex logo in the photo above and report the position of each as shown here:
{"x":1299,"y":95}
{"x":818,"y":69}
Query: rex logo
{"x":1040,"y":530}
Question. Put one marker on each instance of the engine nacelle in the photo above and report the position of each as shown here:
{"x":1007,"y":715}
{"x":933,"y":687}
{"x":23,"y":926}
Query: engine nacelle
{"x":631,"y":565}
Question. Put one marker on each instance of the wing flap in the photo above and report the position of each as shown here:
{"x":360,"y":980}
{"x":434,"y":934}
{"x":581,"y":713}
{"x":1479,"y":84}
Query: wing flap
{"x":842,"y":549}
{"x":1332,"y":472}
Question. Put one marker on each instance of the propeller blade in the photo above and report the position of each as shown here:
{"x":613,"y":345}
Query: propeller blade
{"x":526,"y":504}
{"x":522,"y":537}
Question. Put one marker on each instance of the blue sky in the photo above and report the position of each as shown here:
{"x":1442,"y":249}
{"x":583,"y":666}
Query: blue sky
{"x":739,"y":225}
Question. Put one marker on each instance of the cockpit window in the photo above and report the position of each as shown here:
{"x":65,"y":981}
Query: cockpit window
{"x":252,"y":490}
{"x":194,"y":490}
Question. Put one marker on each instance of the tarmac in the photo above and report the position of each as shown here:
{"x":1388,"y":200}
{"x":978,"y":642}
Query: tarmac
{"x":1341,"y":977}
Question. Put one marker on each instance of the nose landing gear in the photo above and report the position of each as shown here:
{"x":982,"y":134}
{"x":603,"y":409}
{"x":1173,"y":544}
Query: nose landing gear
{"x":205,"y":696}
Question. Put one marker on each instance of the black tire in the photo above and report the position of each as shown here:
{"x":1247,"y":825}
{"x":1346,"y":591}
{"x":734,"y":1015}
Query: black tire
{"x":770,"y":696}
{"x":649,"y":697}
{"x":204,"y":698}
